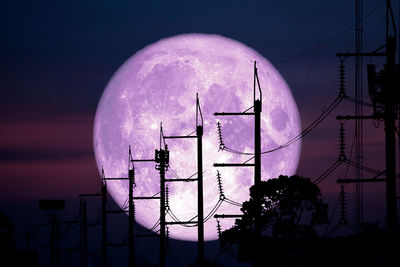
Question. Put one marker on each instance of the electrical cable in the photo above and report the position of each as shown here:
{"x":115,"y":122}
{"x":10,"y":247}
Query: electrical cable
{"x":206,"y":218}
{"x":332,"y":215}
{"x":364,"y":168}
{"x":323,"y":44}
{"x":175,"y":218}
{"x":314,"y":124}
{"x":229,"y":201}
{"x":351,"y":99}
{"x":307,"y":130}
{"x":176,"y":176}
{"x":327,"y":172}
{"x":213,"y":211}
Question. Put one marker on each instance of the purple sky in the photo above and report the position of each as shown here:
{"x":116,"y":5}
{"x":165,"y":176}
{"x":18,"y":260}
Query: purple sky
{"x":58,"y":57}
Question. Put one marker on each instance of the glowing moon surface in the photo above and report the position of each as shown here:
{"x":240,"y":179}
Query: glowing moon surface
{"x":159,"y":84}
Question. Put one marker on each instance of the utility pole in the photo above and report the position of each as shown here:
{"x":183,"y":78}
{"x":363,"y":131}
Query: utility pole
{"x":83,"y":224}
{"x":131,"y":214}
{"x":85,"y":234}
{"x":162,"y":156}
{"x":104,"y":219}
{"x":161,"y":159}
{"x":131,"y":209}
{"x":103,"y":224}
{"x":390,"y":127}
{"x":257,"y":108}
{"x":382,"y":88}
{"x":200,"y":208}
{"x":359,"y":109}
{"x":53,"y":206}
{"x":257,"y":128}
{"x":200,"y":205}
{"x":54,"y":242}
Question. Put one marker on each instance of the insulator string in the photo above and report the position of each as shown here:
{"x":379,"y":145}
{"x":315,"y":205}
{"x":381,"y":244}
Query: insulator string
{"x":221,"y":191}
{"x":219,"y":229}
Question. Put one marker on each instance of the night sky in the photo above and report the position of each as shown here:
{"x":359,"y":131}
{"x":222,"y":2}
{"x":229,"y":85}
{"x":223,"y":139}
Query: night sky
{"x":58,"y":56}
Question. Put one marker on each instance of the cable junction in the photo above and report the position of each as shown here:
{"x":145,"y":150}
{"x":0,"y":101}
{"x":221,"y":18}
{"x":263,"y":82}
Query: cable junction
{"x":307,"y":130}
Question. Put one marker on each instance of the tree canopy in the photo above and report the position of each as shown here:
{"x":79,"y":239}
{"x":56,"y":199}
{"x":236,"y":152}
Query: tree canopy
{"x":284,"y":207}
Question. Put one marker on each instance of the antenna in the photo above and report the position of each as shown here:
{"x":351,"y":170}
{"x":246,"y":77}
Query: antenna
{"x":256,"y":83}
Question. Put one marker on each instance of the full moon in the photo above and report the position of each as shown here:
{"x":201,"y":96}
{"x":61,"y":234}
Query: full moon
{"x":159,"y":84}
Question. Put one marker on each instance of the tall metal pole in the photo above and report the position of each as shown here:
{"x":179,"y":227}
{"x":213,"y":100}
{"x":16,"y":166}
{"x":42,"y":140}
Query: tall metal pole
{"x":257,"y":128}
{"x":57,"y":236}
{"x":162,"y":165}
{"x":257,"y":141}
{"x":104,"y":221}
{"x":257,"y":107}
{"x":257,"y":148}
{"x":359,"y":109}
{"x":200,"y":205}
{"x":200,"y":232}
{"x":389,"y":118}
{"x":85,"y":234}
{"x":53,"y":241}
{"x":131,"y":221}
{"x":200,"y":208}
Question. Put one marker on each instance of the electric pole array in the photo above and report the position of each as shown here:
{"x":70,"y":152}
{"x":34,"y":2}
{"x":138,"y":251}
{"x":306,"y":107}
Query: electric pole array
{"x":131,"y":209}
{"x":385,"y":98}
{"x":200,"y":208}
{"x":52,"y":208}
{"x":103,"y":223}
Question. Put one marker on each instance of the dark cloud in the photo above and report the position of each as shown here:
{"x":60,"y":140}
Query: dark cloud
{"x":21,"y":155}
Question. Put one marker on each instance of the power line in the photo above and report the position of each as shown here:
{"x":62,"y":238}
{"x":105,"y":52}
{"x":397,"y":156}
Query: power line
{"x":307,"y":130}
{"x":323,"y":44}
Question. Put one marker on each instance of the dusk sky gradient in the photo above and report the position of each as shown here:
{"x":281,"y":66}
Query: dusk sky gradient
{"x":58,"y":56}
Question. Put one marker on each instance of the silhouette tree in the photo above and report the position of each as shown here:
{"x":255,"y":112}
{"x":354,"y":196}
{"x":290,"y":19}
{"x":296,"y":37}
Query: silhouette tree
{"x":284,"y":207}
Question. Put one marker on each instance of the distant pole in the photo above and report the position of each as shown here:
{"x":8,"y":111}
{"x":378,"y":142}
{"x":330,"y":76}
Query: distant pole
{"x":131,"y":221}
{"x":85,"y":234}
{"x":57,"y":242}
{"x":54,"y":253}
{"x":53,"y":241}
{"x":200,"y":232}
{"x":200,"y":209}
{"x":257,"y":146}
{"x":359,"y":150}
{"x":104,"y":221}
{"x":257,"y":128}
{"x":257,"y":142}
{"x":28,"y":236}
{"x":162,"y":166}
{"x":389,"y":118}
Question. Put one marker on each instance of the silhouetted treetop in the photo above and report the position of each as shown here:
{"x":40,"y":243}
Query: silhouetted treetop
{"x":284,"y":207}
